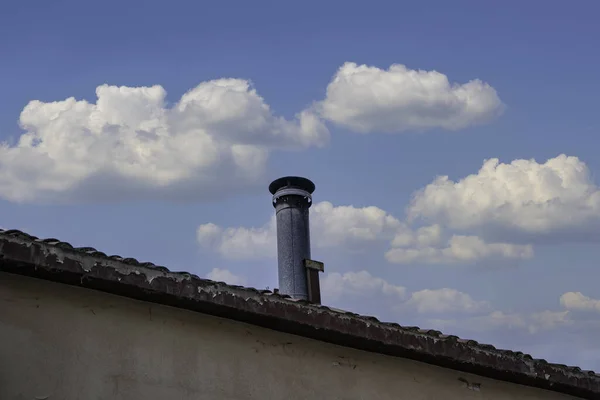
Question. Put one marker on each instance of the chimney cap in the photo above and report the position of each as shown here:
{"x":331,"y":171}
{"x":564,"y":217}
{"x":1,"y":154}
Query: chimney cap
{"x":292,"y":181}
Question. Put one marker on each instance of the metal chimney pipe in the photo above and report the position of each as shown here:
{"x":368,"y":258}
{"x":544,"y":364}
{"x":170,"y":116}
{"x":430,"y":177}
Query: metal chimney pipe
{"x":298,"y":276}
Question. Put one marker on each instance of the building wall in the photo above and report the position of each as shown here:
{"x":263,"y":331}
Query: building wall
{"x":68,"y":343}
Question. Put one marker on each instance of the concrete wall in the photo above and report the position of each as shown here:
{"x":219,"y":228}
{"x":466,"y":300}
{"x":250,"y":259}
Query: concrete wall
{"x":65,"y":343}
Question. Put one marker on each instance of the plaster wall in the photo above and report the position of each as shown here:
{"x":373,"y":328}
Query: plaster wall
{"x":59,"y":342}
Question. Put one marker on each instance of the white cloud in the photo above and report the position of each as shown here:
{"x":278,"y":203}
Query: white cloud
{"x":423,"y":237}
{"x":363,"y":284}
{"x":523,"y":196}
{"x":354,"y":229}
{"x":130,"y":143}
{"x":460,"y":249}
{"x":349,"y":225}
{"x":223,"y":275}
{"x":443,"y":301}
{"x":368,"y":99}
{"x":336,"y":285}
{"x":578,"y":301}
{"x":239,"y":243}
{"x":331,"y":226}
{"x":500,"y":319}
{"x":529,"y":323}
{"x":490,"y":322}
{"x":547,"y":320}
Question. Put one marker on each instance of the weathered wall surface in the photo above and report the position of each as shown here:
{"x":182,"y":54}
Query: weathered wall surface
{"x":67,"y":343}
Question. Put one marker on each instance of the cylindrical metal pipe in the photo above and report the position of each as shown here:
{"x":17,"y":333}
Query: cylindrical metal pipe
{"x":292,"y":199}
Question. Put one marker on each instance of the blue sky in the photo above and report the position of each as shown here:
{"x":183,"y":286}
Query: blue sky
{"x":371,"y":138}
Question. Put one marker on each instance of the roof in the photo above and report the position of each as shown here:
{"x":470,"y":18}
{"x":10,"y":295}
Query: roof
{"x":57,"y":261}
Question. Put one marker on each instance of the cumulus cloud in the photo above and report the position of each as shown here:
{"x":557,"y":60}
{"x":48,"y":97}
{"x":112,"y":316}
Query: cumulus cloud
{"x":425,"y":236}
{"x":349,"y":225}
{"x":239,"y":243}
{"x":336,"y":285}
{"x":130,"y":142}
{"x":444,"y":300}
{"x":363,"y":284}
{"x":354,"y":229}
{"x":460,"y":249}
{"x":579,"y":302}
{"x":224,"y":275}
{"x":331,"y":226}
{"x":546,"y":320}
{"x":496,"y":320}
{"x":527,"y":197}
{"x":369,"y":99}
{"x":425,"y":245}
